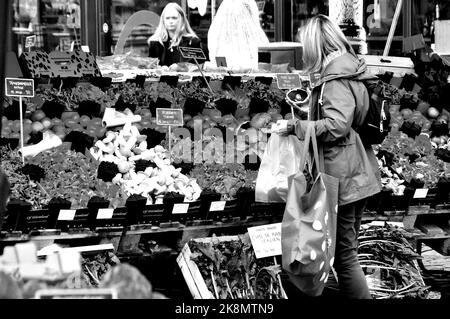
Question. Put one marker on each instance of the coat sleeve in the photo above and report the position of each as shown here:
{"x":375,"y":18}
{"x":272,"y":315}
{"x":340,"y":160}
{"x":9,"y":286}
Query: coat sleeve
{"x":337,"y":113}
{"x":155,"y":50}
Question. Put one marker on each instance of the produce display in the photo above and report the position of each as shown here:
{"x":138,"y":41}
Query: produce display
{"x":231,"y":271}
{"x":390,"y":263}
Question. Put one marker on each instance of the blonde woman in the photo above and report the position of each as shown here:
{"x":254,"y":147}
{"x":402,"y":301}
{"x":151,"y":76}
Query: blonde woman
{"x":172,"y":32}
{"x":339,"y":102}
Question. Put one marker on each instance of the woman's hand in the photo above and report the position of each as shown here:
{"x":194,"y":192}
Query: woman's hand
{"x":286,"y":128}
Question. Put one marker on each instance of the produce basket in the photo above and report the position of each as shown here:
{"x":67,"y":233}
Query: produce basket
{"x":226,"y":268}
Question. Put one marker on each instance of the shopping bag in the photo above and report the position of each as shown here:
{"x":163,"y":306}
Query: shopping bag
{"x":308,"y":229}
{"x":281,"y":159}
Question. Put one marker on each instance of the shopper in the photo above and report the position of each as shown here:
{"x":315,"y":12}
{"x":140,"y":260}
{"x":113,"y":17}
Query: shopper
{"x":343,"y":106}
{"x":172,"y":32}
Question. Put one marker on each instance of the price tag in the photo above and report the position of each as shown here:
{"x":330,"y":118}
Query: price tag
{"x":19,"y":87}
{"x":180,"y":208}
{"x":85,"y":48}
{"x":217,"y":206}
{"x":171,"y":117}
{"x":266,"y":240}
{"x":314,"y":78}
{"x":30,"y":41}
{"x":105,"y":213}
{"x":67,"y":214}
{"x":221,"y":61}
{"x":421,"y":193}
{"x":192,"y":53}
{"x":288,"y":81}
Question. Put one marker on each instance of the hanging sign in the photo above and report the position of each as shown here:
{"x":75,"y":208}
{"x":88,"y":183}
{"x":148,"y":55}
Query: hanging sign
{"x":266,"y":240}
{"x":30,"y":41}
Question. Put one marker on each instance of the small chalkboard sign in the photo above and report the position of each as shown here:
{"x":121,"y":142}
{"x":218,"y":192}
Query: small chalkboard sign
{"x":221,"y":61}
{"x":19,"y":87}
{"x":288,"y":81}
{"x":30,"y":41}
{"x":170,"y":117}
{"x":192,"y":53}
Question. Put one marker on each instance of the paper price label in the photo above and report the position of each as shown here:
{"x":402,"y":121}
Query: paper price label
{"x":217,"y":206}
{"x":266,"y":240}
{"x":105,"y":213}
{"x":180,"y":208}
{"x":421,"y":193}
{"x":67,"y":214}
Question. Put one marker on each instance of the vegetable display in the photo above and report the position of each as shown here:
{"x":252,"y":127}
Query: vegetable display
{"x":390,"y":263}
{"x":231,"y":271}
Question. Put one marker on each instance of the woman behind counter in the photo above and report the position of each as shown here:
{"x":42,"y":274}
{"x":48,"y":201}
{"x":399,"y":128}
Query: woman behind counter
{"x":172,"y":32}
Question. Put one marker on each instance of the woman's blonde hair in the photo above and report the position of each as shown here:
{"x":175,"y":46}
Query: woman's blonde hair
{"x":184,"y":29}
{"x":320,"y":37}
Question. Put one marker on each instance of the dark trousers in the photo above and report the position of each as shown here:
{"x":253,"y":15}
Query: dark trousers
{"x":352,"y":282}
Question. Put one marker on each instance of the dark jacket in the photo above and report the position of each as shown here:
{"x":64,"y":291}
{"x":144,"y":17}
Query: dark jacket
{"x":4,"y":194}
{"x":345,"y":104}
{"x":168,"y":56}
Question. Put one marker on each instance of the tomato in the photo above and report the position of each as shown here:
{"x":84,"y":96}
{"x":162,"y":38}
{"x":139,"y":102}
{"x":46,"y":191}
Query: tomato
{"x":100,"y":132}
{"x":37,"y":115}
{"x":57,"y":122}
{"x":15,"y":126}
{"x":406,"y":113}
{"x":47,"y":123}
{"x":68,"y":115}
{"x":145,"y":113}
{"x":85,"y":120}
{"x":37,"y":127}
{"x":433,"y":112}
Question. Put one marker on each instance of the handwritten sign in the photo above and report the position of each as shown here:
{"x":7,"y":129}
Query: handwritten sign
{"x":97,"y":293}
{"x":421,"y":193}
{"x":314,"y":78}
{"x":217,"y":206}
{"x":180,"y":209}
{"x":30,"y":41}
{"x":66,"y":214}
{"x":171,"y":117}
{"x":19,"y":87}
{"x":192,"y":53}
{"x":266,"y":240}
{"x":288,"y":81}
{"x":221,"y":61}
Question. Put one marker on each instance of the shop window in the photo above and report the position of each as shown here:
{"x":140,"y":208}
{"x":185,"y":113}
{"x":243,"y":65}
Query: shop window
{"x":424,"y":13}
{"x":122,"y":10}
{"x":378,"y":17}
{"x":302,"y":10}
{"x":55,"y":23}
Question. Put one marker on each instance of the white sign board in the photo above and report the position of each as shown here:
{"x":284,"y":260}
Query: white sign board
{"x":266,"y":240}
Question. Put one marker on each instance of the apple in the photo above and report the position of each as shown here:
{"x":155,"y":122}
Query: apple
{"x":37,"y":127}
{"x":47,"y":123}
{"x":85,"y":120}
{"x":37,"y":115}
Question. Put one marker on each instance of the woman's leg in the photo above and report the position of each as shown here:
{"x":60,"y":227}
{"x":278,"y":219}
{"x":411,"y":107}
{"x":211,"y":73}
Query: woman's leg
{"x":352,"y":282}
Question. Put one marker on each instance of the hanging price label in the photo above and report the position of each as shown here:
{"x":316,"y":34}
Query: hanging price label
{"x":66,"y":214}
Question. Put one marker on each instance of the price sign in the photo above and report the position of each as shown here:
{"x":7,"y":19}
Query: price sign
{"x":288,"y":81}
{"x":221,"y":61}
{"x":97,"y":293}
{"x":30,"y":41}
{"x":180,"y":209}
{"x":192,"y":53}
{"x":66,"y":214}
{"x":314,"y":78}
{"x":266,"y":240}
{"x":19,"y":87}
{"x":421,"y":193}
{"x":105,"y":213}
{"x":217,"y":206}
{"x":171,"y":117}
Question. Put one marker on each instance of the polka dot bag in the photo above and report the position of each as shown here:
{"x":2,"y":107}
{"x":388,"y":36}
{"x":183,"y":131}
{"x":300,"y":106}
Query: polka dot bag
{"x":308,"y":229}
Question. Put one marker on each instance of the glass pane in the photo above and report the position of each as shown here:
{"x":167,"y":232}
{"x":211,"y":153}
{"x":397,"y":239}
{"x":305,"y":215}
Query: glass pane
{"x":424,"y":13}
{"x":56,"y":23}
{"x":302,"y":10}
{"x":122,"y":10}
{"x":378,"y":17}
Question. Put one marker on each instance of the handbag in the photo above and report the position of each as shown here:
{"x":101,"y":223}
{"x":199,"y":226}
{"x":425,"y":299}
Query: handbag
{"x":308,"y":229}
{"x":281,"y":159}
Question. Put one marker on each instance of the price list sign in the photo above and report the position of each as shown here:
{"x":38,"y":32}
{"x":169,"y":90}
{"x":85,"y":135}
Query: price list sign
{"x":266,"y":240}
